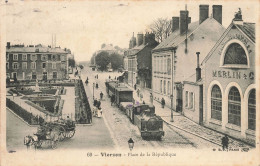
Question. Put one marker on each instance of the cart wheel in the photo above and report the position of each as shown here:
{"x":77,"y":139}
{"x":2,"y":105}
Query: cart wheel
{"x":70,"y":134}
{"x":62,"y":133}
{"x":54,"y":144}
{"x":38,"y":144}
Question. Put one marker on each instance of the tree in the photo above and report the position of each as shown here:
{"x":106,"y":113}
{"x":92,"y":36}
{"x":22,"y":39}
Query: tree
{"x":102,"y":60}
{"x":116,"y":61}
{"x":161,"y":28}
{"x":72,"y":62}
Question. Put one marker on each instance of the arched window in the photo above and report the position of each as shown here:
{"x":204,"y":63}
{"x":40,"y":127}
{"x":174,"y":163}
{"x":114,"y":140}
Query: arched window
{"x":235,"y":54}
{"x":216,"y":103}
{"x":234,"y":107}
{"x":251,"y":110}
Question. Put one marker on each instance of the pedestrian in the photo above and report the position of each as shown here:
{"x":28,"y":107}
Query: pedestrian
{"x":101,"y":95}
{"x":151,"y":98}
{"x":135,"y":86}
{"x":95,"y":102}
{"x":109,"y":77}
{"x":98,"y":103}
{"x":97,"y":85}
{"x":141,"y":96}
{"x":138,"y":92}
{"x":143,"y":102}
{"x":163,"y":102}
{"x":112,"y":99}
{"x":225,"y":141}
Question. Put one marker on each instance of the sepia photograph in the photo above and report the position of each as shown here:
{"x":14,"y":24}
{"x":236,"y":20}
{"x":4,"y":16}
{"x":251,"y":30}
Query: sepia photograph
{"x":155,"y":82}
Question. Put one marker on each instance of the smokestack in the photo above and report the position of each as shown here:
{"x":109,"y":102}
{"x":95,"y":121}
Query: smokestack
{"x":183,"y":21}
{"x":198,"y":69}
{"x":204,"y":13}
{"x":140,"y":37}
{"x":217,"y":13}
{"x":8,"y":45}
{"x":175,"y":23}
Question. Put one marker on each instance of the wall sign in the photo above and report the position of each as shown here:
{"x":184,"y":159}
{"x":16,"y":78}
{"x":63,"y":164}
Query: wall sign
{"x":232,"y":74}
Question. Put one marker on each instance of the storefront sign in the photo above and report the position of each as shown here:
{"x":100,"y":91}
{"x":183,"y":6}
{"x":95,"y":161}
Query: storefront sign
{"x":232,"y":74}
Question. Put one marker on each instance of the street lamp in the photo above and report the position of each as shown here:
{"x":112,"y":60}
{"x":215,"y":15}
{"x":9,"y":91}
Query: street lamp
{"x":93,"y":90}
{"x":131,"y":144}
{"x":171,"y":107}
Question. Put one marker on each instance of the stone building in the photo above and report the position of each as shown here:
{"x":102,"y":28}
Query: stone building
{"x":36,"y":62}
{"x":174,"y":59}
{"x":229,"y":72}
{"x":140,"y":60}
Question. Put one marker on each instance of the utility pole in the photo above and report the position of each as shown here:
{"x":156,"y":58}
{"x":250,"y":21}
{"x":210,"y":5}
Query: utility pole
{"x":173,"y":57}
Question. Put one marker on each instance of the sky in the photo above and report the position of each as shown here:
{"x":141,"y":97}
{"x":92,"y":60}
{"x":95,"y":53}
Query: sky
{"x":83,"y":26}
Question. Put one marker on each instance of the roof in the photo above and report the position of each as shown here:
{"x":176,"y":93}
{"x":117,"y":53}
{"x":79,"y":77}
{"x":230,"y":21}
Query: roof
{"x":33,"y":50}
{"x":124,"y":89}
{"x":248,"y":29}
{"x":175,"y":38}
{"x":136,"y":49}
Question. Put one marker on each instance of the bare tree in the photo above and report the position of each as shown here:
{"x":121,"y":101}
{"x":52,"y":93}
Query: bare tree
{"x":161,"y":27}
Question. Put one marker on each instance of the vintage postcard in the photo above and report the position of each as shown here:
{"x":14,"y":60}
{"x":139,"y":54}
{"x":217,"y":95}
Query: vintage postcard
{"x":129,"y":82}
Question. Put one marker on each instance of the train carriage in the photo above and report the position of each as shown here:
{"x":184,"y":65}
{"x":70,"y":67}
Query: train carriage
{"x":107,"y":84}
{"x":123,"y":94}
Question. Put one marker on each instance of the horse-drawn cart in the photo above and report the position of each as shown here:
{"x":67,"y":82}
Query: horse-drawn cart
{"x":51,"y":133}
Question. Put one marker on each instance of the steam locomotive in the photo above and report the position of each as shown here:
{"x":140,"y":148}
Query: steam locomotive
{"x":141,"y":115}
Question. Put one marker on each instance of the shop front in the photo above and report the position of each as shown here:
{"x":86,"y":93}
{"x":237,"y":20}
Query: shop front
{"x":229,"y":84}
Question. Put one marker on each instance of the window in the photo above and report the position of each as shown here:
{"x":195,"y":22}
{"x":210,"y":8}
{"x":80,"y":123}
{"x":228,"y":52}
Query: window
{"x":24,"y":57}
{"x":15,"y":65}
{"x":7,"y":65}
{"x":191,"y":97}
{"x":161,"y":86}
{"x":164,"y":87}
{"x":33,"y":57}
{"x":252,"y":110}
{"x":186,"y":99}
{"x":54,"y":75}
{"x":165,"y":65}
{"x":216,"y":103}
{"x":169,"y":88}
{"x":169,"y":66}
{"x":7,"y":57}
{"x":33,"y":65}
{"x":62,"y":57}
{"x":24,"y":65}
{"x":154,"y":64}
{"x":43,"y":65}
{"x":234,"y":107}
{"x":43,"y":57}
{"x":235,"y":54}
{"x":54,"y":65}
{"x":34,"y":76}
{"x":16,"y":57}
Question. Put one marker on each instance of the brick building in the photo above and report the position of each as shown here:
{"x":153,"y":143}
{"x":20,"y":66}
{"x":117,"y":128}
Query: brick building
{"x":36,"y":62}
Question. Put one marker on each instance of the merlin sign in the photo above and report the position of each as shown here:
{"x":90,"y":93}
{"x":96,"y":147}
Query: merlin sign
{"x":233,"y":74}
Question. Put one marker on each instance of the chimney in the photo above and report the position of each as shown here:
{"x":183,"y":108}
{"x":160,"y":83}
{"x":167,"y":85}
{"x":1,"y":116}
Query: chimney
{"x":175,"y":23}
{"x":8,"y":45}
{"x":204,"y":13}
{"x":144,"y":39}
{"x":140,"y":37}
{"x":183,"y":21}
{"x":217,"y":13}
{"x":189,"y":20}
{"x":198,"y":69}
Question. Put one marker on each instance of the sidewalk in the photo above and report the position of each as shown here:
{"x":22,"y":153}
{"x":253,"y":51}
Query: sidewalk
{"x":185,"y":124}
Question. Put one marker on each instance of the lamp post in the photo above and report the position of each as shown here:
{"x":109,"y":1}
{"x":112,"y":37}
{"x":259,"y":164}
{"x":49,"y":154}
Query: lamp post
{"x":93,"y":90}
{"x":131,"y":144}
{"x":173,"y":56}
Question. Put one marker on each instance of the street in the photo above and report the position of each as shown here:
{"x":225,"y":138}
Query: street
{"x":122,"y":129}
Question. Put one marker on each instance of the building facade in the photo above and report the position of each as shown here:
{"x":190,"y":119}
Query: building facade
{"x":174,"y":59}
{"x":31,"y":63}
{"x":230,"y":84}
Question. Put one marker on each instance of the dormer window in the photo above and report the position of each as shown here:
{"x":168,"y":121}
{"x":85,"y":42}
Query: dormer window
{"x":234,"y":55}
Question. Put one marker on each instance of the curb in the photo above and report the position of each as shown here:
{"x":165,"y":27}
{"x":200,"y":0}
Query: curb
{"x":21,"y":118}
{"x":192,"y":133}
{"x":84,"y":124}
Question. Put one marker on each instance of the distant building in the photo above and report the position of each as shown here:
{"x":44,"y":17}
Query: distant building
{"x":140,"y":60}
{"x":30,"y":63}
{"x":174,"y":59}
